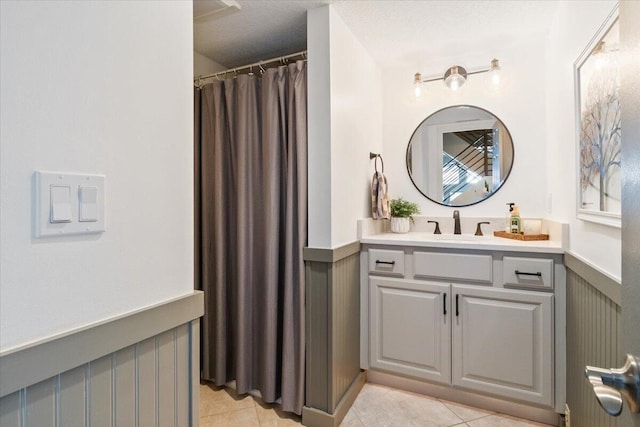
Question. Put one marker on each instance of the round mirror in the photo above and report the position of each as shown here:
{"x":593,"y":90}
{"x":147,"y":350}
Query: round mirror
{"x":460,"y":155}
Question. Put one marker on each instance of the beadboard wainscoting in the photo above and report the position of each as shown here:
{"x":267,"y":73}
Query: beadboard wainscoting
{"x":138,"y":369}
{"x":333,"y":376}
{"x":593,"y":338}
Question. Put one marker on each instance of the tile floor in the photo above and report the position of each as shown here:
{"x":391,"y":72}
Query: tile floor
{"x":376,"y":406}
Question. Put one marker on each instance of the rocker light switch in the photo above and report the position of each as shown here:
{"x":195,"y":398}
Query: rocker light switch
{"x":60,"y":203}
{"x":69,"y":203}
{"x":88,"y":197}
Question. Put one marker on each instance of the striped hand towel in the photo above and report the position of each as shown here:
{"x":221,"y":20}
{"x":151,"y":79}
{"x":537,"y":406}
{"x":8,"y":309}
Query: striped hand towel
{"x":380,"y":204}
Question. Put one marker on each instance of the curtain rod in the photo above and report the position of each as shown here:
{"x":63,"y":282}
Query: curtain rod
{"x":258,"y":64}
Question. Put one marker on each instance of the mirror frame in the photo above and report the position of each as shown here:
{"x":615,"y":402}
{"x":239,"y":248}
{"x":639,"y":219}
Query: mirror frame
{"x":513,"y":159}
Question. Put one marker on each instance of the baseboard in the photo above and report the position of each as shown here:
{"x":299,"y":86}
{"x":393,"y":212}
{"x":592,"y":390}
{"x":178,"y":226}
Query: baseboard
{"x":312,"y":417}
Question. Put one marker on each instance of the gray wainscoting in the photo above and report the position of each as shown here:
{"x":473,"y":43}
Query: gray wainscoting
{"x":333,"y":376}
{"x":593,"y":337}
{"x":154,"y":381}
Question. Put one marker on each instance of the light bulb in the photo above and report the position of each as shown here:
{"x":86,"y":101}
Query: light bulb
{"x":417,"y":85}
{"x":455,"y":77}
{"x":494,"y":72}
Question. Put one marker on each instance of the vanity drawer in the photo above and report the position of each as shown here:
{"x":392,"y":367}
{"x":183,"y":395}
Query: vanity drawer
{"x":532,"y":273}
{"x":387,"y":262}
{"x":476,"y":268}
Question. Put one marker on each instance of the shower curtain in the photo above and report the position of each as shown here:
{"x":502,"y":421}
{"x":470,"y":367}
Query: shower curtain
{"x":251,"y":227}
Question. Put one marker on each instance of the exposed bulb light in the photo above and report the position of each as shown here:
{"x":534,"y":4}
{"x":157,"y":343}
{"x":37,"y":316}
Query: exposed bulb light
{"x":494,"y":72}
{"x":455,"y":77}
{"x":417,"y":85}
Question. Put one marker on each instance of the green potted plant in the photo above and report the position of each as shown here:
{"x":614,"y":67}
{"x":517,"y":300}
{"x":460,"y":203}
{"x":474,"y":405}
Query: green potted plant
{"x":402,"y":212}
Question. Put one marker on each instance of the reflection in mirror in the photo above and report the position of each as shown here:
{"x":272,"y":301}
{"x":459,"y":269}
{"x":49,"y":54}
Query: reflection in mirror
{"x":460,"y":155}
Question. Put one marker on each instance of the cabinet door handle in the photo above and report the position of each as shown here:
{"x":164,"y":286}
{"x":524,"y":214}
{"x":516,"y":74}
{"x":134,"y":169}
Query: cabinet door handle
{"x":524,"y":273}
{"x":385,"y":262}
{"x":457,"y":311}
{"x":444,"y":304}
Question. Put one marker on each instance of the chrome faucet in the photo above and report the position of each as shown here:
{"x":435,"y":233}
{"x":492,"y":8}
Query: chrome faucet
{"x":456,"y":224}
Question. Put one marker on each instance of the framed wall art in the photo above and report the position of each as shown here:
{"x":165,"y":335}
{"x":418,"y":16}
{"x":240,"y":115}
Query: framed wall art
{"x":597,"y":83}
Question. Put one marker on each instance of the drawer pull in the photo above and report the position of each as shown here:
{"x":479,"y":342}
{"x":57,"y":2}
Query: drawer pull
{"x":524,"y":273}
{"x":457,"y":312}
{"x":444,"y":304}
{"x":385,"y":262}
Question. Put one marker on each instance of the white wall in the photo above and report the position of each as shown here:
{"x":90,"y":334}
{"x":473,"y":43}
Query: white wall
{"x":95,"y":87}
{"x":595,"y":243}
{"x":519,"y":103}
{"x":319,"y":128}
{"x":356,"y":129}
{"x":345,"y":111}
{"x":203,"y":65}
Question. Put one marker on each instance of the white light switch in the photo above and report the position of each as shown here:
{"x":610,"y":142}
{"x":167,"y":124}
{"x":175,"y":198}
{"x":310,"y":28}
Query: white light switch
{"x":69,"y":203}
{"x":60,"y":203}
{"x":88,"y":197}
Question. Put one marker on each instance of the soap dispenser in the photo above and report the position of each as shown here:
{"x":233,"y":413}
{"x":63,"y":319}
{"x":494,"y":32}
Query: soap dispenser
{"x":507,"y":222}
{"x":515,"y":222}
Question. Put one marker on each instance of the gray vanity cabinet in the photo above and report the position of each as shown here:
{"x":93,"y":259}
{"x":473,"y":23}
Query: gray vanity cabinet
{"x":481,"y":321}
{"x":410,"y":328}
{"x":502,"y":342}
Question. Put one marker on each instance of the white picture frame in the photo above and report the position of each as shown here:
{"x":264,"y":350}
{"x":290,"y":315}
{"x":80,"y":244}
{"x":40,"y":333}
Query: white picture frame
{"x":597,"y":102}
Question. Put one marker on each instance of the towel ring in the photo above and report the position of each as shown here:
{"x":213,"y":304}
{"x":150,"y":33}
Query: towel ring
{"x":376,"y":157}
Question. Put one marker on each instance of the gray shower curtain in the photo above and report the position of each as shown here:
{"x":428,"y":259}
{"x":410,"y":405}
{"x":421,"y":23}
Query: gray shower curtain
{"x":251,"y":227}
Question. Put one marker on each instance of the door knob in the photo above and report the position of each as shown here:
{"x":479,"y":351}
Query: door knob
{"x":612,"y":385}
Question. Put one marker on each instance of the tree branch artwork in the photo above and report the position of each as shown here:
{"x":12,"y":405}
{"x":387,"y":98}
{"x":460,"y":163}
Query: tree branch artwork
{"x":600,"y":130}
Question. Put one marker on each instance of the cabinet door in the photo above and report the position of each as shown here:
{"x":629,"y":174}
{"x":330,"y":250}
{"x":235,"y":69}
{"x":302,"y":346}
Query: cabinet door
{"x":503,"y":342}
{"x":409,"y":328}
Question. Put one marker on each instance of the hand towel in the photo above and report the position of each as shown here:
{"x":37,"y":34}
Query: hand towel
{"x":380,"y":204}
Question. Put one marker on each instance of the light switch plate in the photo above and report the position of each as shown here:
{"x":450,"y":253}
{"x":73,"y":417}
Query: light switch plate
{"x":46,"y":180}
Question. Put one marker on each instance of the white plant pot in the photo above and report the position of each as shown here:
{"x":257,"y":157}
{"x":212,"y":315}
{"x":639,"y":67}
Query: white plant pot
{"x":399,"y":225}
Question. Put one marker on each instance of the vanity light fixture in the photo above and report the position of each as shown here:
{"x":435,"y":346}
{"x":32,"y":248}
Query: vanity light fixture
{"x":456,"y":76}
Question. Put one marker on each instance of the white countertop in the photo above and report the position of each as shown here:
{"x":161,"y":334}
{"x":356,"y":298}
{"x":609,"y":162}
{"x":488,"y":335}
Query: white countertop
{"x":463,"y":241}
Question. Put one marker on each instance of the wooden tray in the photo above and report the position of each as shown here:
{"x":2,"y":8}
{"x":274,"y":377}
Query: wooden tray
{"x":521,"y":236}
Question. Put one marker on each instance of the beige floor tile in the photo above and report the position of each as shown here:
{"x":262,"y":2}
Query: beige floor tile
{"x":217,"y":400}
{"x":370,"y":395}
{"x":351,"y":420}
{"x":466,"y":413}
{"x":499,"y":420}
{"x":396,"y":408}
{"x":270,"y":415}
{"x":246,"y":417}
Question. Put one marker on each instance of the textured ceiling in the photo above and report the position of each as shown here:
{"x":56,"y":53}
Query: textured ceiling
{"x":394,"y":32}
{"x":261,"y":29}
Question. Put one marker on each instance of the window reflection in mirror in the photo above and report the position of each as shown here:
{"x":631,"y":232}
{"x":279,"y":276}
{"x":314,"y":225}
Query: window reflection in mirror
{"x":460,"y":155}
